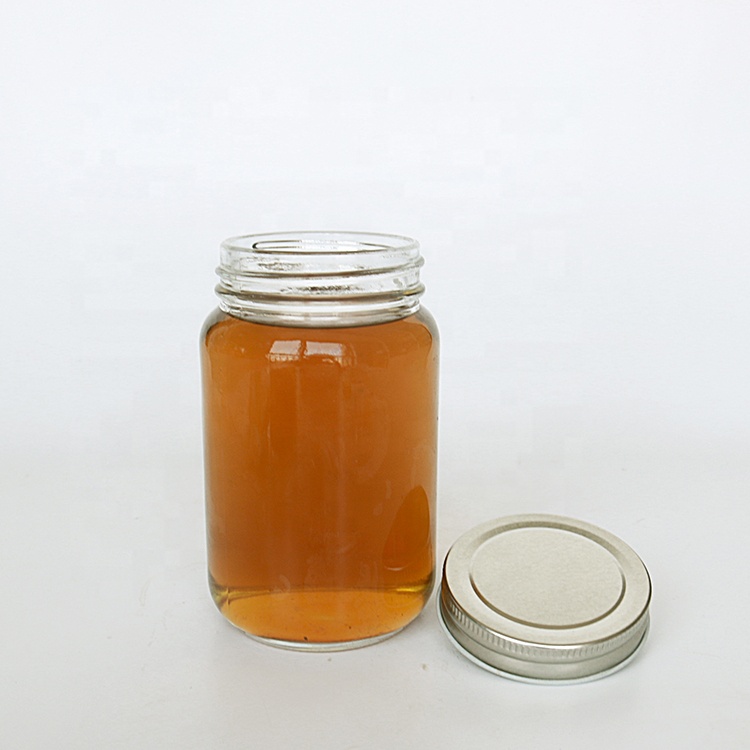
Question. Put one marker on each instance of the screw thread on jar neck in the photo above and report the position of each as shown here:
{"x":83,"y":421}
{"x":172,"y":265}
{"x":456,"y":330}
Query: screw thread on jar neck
{"x":320,"y":279}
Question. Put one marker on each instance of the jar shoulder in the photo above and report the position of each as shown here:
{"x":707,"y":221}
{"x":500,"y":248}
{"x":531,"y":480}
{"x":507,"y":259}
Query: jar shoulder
{"x":224,"y":332}
{"x":425,"y":317}
{"x":214,"y":318}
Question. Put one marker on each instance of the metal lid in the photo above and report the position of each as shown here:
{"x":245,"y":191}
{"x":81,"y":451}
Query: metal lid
{"x":543,"y":598}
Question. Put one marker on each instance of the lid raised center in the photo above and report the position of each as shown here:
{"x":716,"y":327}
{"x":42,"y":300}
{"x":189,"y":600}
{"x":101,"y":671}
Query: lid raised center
{"x":547,"y":577}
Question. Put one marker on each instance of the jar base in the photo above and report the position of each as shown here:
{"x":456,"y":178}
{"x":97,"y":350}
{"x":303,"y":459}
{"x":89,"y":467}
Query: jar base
{"x":323,"y":647}
{"x":321,"y":620}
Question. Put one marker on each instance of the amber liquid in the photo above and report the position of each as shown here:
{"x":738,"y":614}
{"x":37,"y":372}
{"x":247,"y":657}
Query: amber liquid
{"x":320,"y":451}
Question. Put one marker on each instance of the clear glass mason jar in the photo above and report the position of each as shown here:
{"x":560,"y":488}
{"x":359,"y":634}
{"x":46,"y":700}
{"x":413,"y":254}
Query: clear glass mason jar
{"x":320,"y":428}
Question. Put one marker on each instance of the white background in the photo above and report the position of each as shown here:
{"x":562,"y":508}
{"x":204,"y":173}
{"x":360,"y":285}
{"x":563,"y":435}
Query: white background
{"x":578,"y":175}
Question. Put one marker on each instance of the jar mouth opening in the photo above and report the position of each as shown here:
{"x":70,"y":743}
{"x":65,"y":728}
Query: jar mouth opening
{"x":316,"y":242}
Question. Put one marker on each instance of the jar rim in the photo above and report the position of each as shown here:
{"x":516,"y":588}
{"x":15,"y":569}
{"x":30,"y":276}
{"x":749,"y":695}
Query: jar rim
{"x":313,"y":242}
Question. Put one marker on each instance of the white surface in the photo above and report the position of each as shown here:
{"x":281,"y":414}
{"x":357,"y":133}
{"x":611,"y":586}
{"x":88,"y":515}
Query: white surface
{"x":578,"y":176}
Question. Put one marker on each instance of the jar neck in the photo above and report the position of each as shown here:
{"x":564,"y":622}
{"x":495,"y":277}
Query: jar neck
{"x":320,"y":279}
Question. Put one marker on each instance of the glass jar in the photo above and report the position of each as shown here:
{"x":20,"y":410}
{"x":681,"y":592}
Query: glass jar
{"x":320,"y":429}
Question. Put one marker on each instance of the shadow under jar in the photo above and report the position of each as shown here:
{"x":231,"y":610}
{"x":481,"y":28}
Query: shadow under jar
{"x":320,"y":432}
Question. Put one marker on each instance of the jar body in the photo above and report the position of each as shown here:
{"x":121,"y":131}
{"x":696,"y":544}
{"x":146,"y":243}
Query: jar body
{"x":321,"y":454}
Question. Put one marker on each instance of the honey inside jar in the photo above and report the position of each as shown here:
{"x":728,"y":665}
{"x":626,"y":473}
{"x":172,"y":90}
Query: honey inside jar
{"x":320,"y":448}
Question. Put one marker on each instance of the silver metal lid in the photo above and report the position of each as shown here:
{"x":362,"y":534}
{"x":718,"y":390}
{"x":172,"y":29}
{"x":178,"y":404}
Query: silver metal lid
{"x":543,"y":598}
